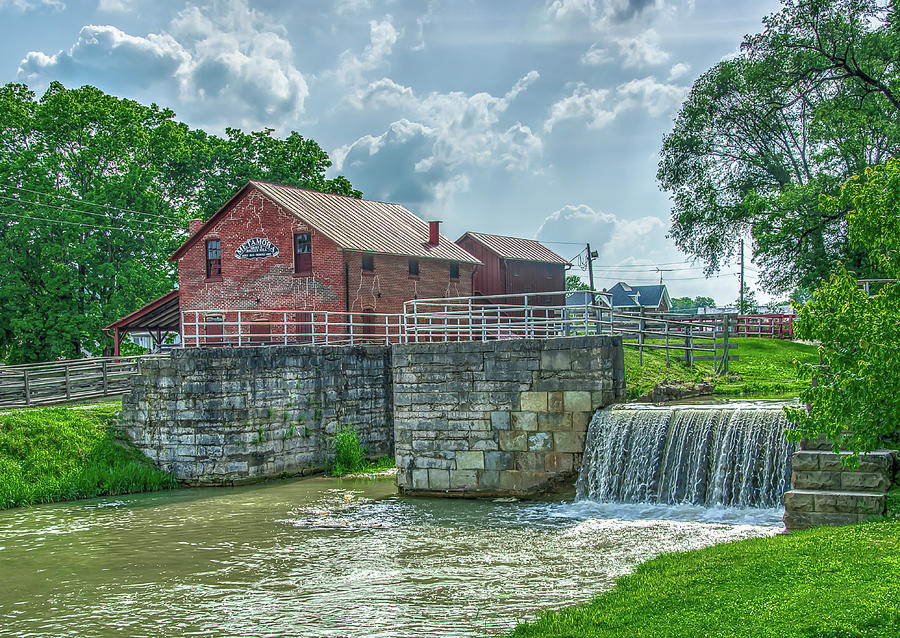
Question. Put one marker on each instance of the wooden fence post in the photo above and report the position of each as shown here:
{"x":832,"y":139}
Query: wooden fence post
{"x":725,"y":330}
{"x":642,"y":325}
{"x":68,"y":386}
{"x":27,"y":390}
{"x":689,"y":346}
{"x":105,"y":379}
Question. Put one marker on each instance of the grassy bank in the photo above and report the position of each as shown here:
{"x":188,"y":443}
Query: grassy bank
{"x":765,"y":369}
{"x":58,"y":454}
{"x":826,"y":581}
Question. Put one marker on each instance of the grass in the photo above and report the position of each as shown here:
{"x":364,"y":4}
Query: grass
{"x":827,"y":581}
{"x":60,"y":454}
{"x":765,"y":369}
{"x":350,"y":456}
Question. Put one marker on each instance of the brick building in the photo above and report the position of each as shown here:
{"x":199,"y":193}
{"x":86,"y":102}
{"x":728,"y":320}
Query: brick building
{"x":512,"y":265}
{"x":277,"y":264}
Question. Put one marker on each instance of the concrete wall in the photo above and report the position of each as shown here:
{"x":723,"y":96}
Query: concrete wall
{"x":502,"y":417}
{"x":226,"y":415}
{"x":826,"y":492}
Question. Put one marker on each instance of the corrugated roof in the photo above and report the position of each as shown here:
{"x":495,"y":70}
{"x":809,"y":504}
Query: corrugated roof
{"x":517,"y":248}
{"x":363,"y":225}
{"x":353,"y":224}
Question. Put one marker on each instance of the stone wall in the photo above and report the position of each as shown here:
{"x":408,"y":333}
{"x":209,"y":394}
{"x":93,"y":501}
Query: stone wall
{"x":226,"y":415}
{"x":826,"y":492}
{"x":502,"y":417}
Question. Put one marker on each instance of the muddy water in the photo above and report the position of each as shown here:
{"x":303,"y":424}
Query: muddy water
{"x":323,"y":557}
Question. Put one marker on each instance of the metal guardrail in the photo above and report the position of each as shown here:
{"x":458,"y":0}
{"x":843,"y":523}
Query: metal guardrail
{"x":57,"y":382}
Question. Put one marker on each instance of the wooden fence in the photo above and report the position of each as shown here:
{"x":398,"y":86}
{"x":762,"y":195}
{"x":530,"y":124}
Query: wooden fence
{"x":58,"y":382}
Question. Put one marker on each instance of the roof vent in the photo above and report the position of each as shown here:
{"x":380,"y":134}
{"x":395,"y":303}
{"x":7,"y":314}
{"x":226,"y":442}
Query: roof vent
{"x":434,"y":233}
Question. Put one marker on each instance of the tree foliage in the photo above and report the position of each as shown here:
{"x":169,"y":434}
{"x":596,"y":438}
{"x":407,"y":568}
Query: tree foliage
{"x":811,"y":101}
{"x":95,"y":194}
{"x":686,"y":304}
{"x":574,"y":282}
{"x":854,"y":397}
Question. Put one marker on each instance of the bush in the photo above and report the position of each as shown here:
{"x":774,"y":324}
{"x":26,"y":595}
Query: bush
{"x":349,"y":454}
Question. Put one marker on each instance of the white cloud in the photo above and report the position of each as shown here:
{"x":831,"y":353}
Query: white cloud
{"x":595,"y":56}
{"x":351,"y":67}
{"x":641,"y":50}
{"x":600,"y":107}
{"x":421,"y":21}
{"x":31,"y":5}
{"x":678,"y":70}
{"x":226,"y":61}
{"x":352,"y":7}
{"x":589,"y":104}
{"x":116,"y":5}
{"x":603,"y":14}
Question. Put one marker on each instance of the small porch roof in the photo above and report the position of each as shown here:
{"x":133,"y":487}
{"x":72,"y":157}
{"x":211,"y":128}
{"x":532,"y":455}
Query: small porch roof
{"x":163,"y":314}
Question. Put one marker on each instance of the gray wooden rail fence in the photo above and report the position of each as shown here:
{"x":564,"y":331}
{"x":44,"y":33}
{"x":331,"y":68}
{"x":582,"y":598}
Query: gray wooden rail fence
{"x":58,"y":382}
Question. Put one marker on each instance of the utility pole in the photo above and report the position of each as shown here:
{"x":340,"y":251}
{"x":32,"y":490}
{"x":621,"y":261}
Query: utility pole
{"x":741,"y":307}
{"x":590,"y":261}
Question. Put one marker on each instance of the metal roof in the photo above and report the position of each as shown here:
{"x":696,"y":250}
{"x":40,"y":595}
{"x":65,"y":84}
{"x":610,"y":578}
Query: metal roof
{"x":160,"y":314}
{"x":625,"y":296}
{"x":363,"y":225}
{"x":516,"y":248}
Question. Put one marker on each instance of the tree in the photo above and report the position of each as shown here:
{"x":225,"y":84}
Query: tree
{"x":574,"y":282}
{"x":95,"y":194}
{"x":686,"y":304}
{"x":747,"y":302}
{"x":854,"y":397}
{"x":811,"y":101}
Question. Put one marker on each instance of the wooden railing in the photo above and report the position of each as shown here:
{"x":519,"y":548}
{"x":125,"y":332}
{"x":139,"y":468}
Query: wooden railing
{"x":67,"y":381}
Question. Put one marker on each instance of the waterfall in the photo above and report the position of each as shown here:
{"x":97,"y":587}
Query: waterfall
{"x":730,"y":457}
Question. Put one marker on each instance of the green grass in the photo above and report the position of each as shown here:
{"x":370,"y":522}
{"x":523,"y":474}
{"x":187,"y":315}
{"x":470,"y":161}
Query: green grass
{"x":350,"y":456}
{"x":60,"y":454}
{"x":827,"y":581}
{"x":765,"y":369}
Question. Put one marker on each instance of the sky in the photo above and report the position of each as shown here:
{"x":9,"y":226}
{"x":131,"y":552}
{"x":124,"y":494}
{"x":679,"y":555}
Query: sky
{"x":540,"y":119}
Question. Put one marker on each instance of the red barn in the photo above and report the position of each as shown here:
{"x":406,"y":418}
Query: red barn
{"x":280,"y":264}
{"x":512,"y":265}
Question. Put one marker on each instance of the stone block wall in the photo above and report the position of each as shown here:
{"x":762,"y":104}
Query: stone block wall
{"x":826,"y":492}
{"x":502,"y":417}
{"x":221,"y":416}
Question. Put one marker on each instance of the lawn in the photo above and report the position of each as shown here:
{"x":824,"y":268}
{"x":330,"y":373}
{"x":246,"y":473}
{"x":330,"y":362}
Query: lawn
{"x":59,"y":454}
{"x":826,"y":581}
{"x":765,"y":369}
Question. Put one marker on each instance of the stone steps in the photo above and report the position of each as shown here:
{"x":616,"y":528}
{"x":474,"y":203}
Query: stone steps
{"x":826,"y":492}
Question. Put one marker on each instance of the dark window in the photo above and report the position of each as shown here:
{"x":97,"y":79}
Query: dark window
{"x":368,"y":263}
{"x":213,"y":258}
{"x":413,"y":268}
{"x":515,"y":266}
{"x":302,"y":252}
{"x":454,"y":271}
{"x":549,"y":271}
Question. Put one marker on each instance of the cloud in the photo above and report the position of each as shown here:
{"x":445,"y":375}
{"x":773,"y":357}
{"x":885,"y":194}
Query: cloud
{"x":32,"y":5}
{"x":421,"y":21}
{"x":678,"y":70}
{"x":116,"y":5}
{"x":351,"y":67}
{"x":600,"y":107}
{"x":603,"y":14}
{"x":440,"y":138}
{"x":595,"y":56}
{"x":641,"y":50}
{"x":225,"y":61}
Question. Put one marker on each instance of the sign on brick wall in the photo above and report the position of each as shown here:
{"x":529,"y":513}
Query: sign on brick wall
{"x":256,"y":248}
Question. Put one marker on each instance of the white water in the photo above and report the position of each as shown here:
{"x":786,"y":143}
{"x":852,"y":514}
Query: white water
{"x":734,"y":457}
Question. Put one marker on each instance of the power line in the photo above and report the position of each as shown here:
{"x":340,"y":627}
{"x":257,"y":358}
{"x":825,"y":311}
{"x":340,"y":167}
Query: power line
{"x":64,"y":221}
{"x":84,"y":212}
{"x":173,"y":218}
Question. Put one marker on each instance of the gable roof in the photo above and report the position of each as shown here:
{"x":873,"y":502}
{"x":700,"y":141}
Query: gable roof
{"x":516,"y":248}
{"x":625,"y":296}
{"x":359,"y":225}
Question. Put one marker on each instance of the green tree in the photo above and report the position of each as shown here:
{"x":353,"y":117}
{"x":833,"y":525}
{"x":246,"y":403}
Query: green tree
{"x":686,"y":304}
{"x":95,"y":194}
{"x":574,"y":282}
{"x":760,"y":138}
{"x":854,"y":399}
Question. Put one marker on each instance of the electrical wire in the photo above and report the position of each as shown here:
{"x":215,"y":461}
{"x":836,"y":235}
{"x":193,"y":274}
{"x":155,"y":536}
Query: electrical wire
{"x":83,"y":212}
{"x":64,"y":221}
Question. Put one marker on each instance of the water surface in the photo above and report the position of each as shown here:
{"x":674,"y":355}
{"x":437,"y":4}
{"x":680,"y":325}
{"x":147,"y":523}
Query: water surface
{"x":324,"y":557}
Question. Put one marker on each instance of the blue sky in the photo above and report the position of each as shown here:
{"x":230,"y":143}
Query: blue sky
{"x":537,"y":119}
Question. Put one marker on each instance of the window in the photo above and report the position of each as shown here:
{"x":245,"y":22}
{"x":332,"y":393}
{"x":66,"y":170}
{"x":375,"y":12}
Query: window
{"x":549,"y":271}
{"x":515,"y":268}
{"x":454,"y":271}
{"x":302,"y":253}
{"x":213,"y":259}
{"x":368,"y":263}
{"x":413,"y":267}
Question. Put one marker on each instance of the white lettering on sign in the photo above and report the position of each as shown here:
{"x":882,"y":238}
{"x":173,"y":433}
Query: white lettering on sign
{"x":256,"y":248}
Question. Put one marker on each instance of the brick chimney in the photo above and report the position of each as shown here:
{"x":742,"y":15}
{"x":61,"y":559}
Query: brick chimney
{"x":434,"y":233}
{"x":193,"y":225}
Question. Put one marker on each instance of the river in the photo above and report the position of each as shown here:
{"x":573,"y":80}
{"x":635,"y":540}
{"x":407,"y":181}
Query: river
{"x":326,"y":557}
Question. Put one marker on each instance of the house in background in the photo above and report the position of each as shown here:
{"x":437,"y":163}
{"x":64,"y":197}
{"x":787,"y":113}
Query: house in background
{"x":275,"y":258}
{"x":625,"y":298}
{"x":511,"y":265}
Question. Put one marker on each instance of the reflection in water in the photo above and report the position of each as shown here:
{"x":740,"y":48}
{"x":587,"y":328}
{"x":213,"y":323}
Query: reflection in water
{"x":322,"y":557}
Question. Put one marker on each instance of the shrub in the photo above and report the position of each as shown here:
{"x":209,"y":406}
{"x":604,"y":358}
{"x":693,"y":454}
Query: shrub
{"x":349,"y":454}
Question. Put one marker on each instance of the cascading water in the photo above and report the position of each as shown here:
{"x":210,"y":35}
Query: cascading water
{"x":728,"y":457}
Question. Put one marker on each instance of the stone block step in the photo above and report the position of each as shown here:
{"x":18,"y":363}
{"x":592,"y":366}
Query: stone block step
{"x":880,"y":461}
{"x":804,"y":520}
{"x":832,"y":502}
{"x":840,"y":481}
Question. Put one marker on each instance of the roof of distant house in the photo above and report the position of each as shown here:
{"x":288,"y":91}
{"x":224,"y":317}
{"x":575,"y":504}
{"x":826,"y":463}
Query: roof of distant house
{"x":359,"y":225}
{"x":516,"y":248}
{"x":625,"y":296}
